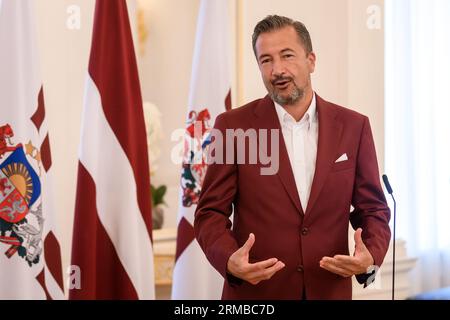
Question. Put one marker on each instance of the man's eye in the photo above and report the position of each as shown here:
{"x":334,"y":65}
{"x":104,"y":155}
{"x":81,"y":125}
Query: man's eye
{"x":288,"y":55}
{"x":264,"y":61}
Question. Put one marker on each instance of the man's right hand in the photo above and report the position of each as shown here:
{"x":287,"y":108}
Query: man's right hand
{"x":254,"y":273}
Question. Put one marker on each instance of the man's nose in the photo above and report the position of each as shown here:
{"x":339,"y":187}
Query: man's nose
{"x":278,"y":68}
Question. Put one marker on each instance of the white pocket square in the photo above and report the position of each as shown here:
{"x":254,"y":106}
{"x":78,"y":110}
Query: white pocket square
{"x":342,"y":158}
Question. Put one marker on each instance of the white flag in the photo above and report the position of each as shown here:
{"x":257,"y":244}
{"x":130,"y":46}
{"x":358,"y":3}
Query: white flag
{"x":30,"y":260}
{"x":194,"y":277}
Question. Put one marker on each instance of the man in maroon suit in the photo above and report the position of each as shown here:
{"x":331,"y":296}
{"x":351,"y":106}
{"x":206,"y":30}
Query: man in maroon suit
{"x":289,"y":236}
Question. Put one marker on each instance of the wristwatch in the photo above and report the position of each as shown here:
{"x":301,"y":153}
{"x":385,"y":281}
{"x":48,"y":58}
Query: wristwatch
{"x":370,"y":274}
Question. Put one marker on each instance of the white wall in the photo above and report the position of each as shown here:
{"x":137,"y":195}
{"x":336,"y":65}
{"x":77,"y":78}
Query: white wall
{"x":365,"y":58}
{"x":349,"y":72}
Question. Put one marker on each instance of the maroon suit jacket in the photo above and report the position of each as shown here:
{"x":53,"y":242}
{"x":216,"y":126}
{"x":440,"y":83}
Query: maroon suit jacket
{"x":269,"y":206}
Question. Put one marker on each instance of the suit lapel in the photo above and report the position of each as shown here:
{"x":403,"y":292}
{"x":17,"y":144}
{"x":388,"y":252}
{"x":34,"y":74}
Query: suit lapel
{"x":330,"y":130}
{"x":266,"y":118}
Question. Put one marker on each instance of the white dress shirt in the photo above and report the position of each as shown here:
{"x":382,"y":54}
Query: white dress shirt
{"x":301,"y":140}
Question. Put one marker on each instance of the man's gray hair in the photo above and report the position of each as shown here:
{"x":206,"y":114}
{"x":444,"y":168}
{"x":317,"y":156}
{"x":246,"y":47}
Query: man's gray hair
{"x":275,"y":22}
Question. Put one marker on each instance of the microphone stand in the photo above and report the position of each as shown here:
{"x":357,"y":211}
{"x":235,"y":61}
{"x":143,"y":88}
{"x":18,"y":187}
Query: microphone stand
{"x":393,"y":249}
{"x":389,"y":190}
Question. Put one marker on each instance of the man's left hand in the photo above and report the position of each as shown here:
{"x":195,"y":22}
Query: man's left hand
{"x":347,"y":266}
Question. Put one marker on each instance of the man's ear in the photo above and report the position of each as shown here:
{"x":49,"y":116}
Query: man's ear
{"x":312,"y":62}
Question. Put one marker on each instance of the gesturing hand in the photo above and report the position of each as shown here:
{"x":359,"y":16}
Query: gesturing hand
{"x":254,"y":273}
{"x":347,"y":266}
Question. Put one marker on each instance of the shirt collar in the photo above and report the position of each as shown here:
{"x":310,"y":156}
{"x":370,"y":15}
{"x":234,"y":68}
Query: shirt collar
{"x":310,"y":116}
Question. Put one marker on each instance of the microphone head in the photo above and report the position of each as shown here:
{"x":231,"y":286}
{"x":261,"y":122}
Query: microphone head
{"x":387,"y":184}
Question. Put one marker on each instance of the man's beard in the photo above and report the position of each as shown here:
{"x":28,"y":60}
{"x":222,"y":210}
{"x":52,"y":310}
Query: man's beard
{"x":293,"y":97}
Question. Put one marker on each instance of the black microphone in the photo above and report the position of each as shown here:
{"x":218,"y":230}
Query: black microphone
{"x":389,"y":190}
{"x":387,"y":184}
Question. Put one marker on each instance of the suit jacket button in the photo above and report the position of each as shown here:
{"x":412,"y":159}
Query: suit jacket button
{"x":305,"y":231}
{"x":300,"y":268}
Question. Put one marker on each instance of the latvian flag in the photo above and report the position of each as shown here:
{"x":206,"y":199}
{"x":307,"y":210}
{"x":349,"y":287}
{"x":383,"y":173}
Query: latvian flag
{"x":30,"y":260}
{"x":112,"y":243}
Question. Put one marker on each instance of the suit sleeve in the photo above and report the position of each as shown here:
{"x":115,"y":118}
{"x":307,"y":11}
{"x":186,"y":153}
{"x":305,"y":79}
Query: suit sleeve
{"x":212,"y":224}
{"x":371,"y":211}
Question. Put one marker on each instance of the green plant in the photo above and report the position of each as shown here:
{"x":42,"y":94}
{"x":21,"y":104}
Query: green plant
{"x":158,"y":195}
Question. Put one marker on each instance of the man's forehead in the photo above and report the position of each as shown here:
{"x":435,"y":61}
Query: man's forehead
{"x":277,"y":41}
{"x":287,"y":33}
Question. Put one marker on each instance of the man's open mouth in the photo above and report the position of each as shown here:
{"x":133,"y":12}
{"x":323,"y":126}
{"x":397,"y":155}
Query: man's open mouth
{"x":281,"y":84}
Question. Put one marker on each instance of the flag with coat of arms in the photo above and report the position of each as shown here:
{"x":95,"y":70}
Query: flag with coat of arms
{"x":30,"y":260}
{"x":210,"y":95}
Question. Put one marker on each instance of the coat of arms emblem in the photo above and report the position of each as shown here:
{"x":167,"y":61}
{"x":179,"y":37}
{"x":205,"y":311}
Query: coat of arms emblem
{"x":197,"y":139}
{"x":21,"y":219}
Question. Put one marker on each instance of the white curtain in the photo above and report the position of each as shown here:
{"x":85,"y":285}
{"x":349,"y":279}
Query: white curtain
{"x":418,"y":132}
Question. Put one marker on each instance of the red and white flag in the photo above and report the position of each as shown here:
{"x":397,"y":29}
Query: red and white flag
{"x":112,"y":243}
{"x":193,"y":276}
{"x":30,"y":259}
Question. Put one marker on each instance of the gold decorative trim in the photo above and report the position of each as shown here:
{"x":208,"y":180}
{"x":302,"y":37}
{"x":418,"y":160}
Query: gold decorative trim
{"x":142,"y":30}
